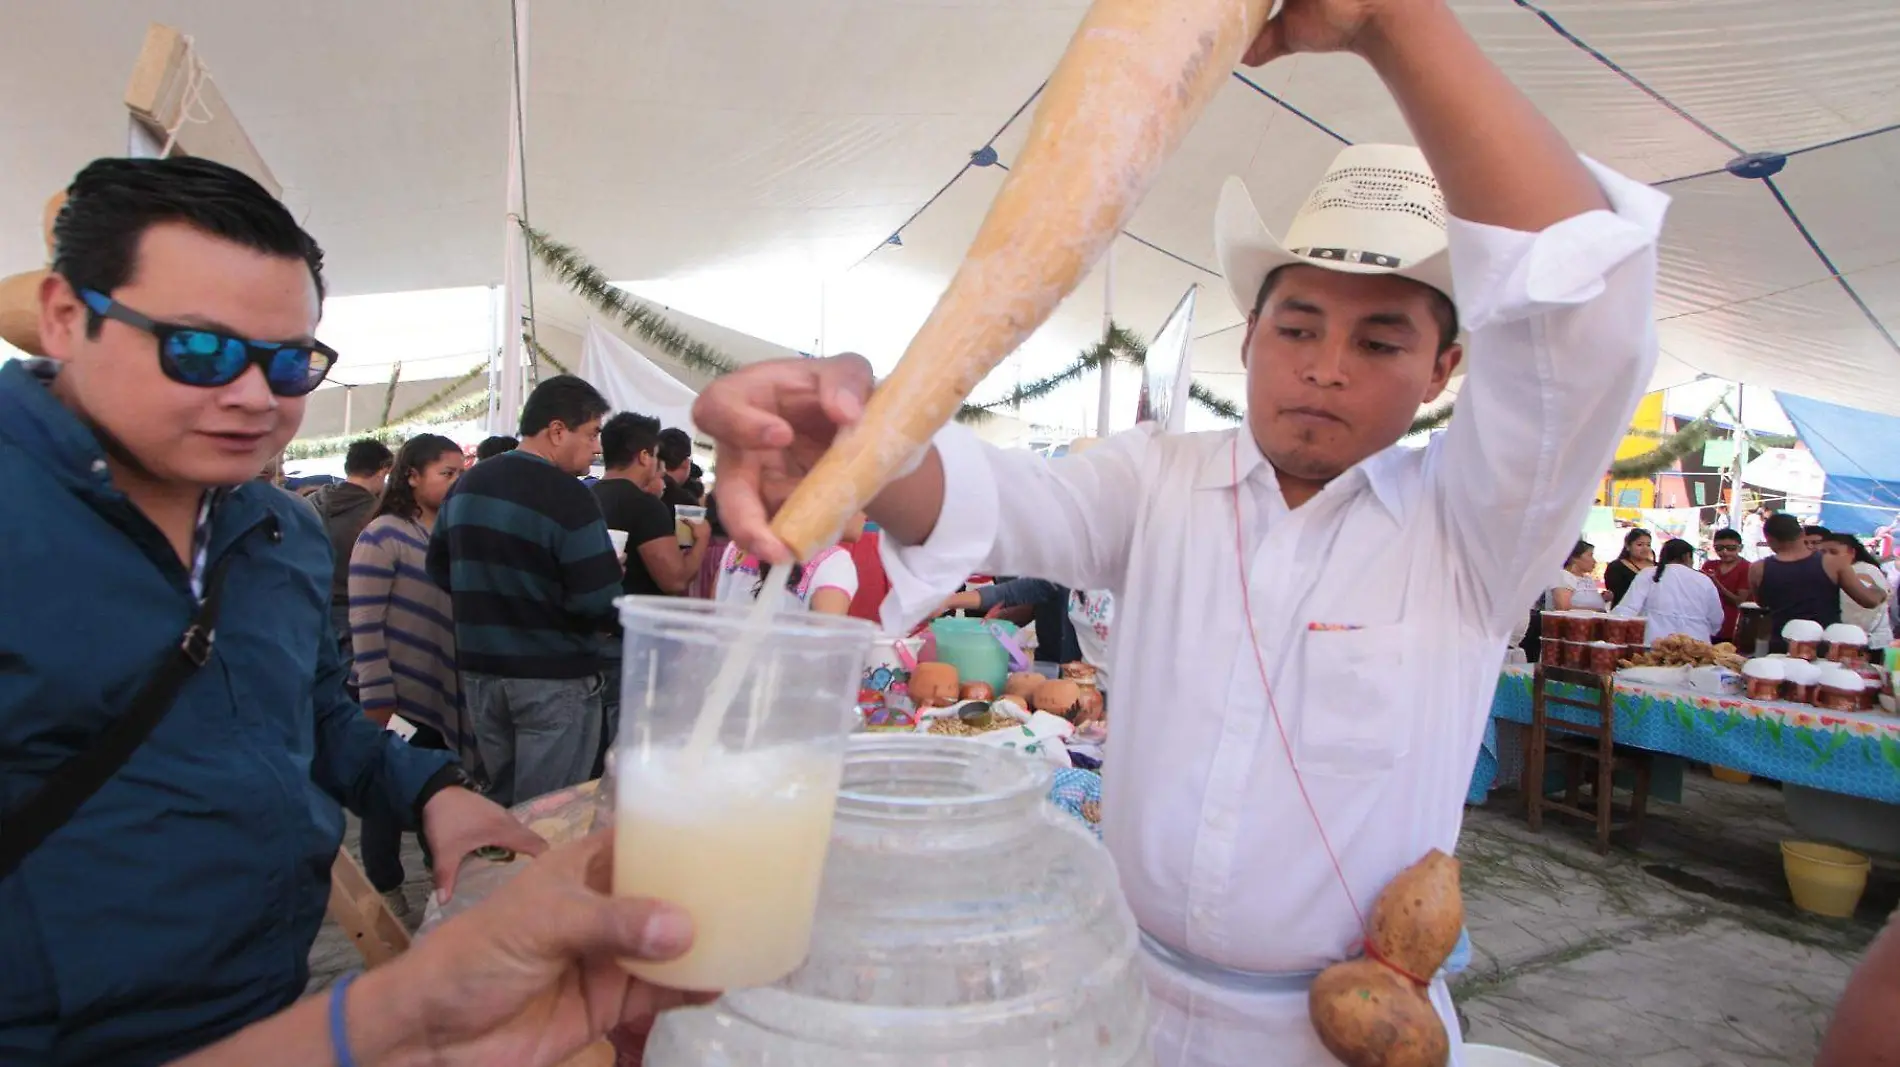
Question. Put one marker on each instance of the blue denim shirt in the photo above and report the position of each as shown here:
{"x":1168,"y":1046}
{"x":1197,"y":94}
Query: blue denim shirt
{"x":180,"y":902}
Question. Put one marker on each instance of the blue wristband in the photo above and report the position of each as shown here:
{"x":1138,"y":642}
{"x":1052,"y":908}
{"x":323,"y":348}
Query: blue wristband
{"x":339,"y":1030}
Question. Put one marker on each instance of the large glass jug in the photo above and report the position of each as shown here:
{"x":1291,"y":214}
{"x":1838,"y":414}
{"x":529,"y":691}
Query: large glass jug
{"x":964,"y":922}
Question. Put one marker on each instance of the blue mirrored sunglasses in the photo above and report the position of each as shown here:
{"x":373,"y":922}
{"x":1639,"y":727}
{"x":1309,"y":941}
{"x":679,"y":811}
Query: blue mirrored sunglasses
{"x":193,"y":355}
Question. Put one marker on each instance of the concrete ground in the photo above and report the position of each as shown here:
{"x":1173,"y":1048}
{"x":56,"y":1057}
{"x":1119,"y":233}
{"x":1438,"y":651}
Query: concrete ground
{"x":1687,"y":953}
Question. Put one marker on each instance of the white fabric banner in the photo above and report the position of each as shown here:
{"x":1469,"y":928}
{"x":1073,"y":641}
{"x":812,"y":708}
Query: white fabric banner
{"x":1167,"y":375}
{"x":631,"y":381}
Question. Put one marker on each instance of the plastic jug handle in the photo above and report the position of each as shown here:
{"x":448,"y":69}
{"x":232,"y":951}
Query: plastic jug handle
{"x":1018,"y":659}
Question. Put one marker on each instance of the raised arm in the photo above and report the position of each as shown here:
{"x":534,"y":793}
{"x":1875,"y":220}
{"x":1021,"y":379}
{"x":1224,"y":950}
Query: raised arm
{"x":1554,"y":264}
{"x":1857,"y":588}
{"x":1068,"y":521}
{"x":1637,"y":599}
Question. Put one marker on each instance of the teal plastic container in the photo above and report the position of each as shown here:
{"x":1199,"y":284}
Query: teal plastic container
{"x":968,"y":645}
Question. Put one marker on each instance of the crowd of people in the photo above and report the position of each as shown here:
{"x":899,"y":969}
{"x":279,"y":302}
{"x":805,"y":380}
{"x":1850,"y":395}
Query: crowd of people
{"x":1807,"y":572}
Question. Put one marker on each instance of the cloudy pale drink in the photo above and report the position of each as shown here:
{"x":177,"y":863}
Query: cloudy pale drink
{"x":738,"y":840}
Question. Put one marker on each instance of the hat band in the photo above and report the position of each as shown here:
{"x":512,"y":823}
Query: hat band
{"x":1350,"y":255}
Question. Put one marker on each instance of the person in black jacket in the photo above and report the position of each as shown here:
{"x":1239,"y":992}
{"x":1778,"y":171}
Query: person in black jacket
{"x":346,"y":507}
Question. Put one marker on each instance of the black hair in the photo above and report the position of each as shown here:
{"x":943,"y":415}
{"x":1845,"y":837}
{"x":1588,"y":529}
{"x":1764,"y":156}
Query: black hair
{"x":625,"y":436}
{"x":676,"y":447}
{"x":112,"y":202}
{"x":1576,"y":550}
{"x":1637,"y":533}
{"x":1726,"y":534}
{"x":495,"y":446}
{"x":366,"y":457}
{"x":417,"y":453}
{"x":1674,"y":550}
{"x":1782,"y":528}
{"x":695,"y":490}
{"x":565,"y":399}
{"x":712,"y":515}
{"x":694,"y":473}
{"x":1443,"y":310}
{"x":1861,"y":554}
{"x":791,"y":579}
{"x":1816,"y":531}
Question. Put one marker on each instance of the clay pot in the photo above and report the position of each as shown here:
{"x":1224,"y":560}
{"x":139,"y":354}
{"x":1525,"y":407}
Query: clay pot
{"x":1057,"y":698}
{"x":1023,"y":684}
{"x":1090,"y":706}
{"x":933,"y":685}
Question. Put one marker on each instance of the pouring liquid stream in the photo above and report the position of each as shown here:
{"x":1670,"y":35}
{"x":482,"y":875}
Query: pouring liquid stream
{"x":773,"y":596}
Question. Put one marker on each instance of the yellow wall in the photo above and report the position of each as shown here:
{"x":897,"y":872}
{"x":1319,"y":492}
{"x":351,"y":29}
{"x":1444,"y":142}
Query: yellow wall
{"x":1649,"y":416}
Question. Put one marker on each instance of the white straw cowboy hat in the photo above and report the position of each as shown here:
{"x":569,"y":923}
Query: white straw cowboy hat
{"x":1378,"y":210}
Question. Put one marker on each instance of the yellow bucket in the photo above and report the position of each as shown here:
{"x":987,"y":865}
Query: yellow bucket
{"x":1824,"y":880}
{"x":1729,"y":774}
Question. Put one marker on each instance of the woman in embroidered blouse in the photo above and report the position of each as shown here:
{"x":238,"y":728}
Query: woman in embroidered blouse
{"x":824,"y":584}
{"x":1577,"y":586}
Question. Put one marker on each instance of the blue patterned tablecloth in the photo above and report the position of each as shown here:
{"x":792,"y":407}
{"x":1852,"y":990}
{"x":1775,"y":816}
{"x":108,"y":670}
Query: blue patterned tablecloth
{"x":1855,"y":753}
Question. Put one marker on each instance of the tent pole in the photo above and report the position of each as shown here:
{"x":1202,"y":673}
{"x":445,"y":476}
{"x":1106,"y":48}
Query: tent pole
{"x":1741,"y":460}
{"x":514,"y":269}
{"x":1106,"y":370}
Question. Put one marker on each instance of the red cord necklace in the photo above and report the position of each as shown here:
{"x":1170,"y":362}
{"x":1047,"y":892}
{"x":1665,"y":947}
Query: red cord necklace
{"x":1260,"y":661}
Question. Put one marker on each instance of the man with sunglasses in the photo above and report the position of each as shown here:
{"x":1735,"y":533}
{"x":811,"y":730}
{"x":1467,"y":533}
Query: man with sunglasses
{"x":175,"y":742}
{"x":1729,"y":571}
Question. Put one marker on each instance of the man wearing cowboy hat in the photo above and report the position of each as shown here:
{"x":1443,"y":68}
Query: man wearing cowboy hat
{"x":1294,"y":727}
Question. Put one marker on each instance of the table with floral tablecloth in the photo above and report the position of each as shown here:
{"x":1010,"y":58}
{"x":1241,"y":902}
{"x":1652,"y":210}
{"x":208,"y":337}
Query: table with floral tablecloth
{"x":1855,"y":753}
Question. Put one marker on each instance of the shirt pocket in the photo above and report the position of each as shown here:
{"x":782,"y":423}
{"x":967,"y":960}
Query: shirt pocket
{"x":1356,"y":717}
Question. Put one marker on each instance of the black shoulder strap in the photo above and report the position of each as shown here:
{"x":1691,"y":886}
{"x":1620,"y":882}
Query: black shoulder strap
{"x":61,"y":795}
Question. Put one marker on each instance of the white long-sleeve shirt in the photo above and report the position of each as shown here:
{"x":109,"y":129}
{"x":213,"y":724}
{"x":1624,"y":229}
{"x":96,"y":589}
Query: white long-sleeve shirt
{"x":1382,"y":675}
{"x":1682,"y":600}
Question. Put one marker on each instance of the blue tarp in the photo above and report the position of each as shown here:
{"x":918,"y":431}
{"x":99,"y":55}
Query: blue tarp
{"x":1860,"y":453}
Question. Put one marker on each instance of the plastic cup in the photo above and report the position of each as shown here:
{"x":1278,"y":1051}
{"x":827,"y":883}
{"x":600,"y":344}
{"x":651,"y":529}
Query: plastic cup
{"x":736,"y":833}
{"x":619,"y":538}
{"x":683,"y":514}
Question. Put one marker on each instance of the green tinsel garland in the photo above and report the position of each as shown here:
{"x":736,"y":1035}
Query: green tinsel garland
{"x":540,"y":352}
{"x":395,"y":433}
{"x":389,"y":393}
{"x":1430,"y":421}
{"x":418,"y":412}
{"x":1214,"y":402}
{"x":575,"y":271}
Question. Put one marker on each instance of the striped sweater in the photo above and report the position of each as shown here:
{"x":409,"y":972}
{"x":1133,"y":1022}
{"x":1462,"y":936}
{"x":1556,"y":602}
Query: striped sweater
{"x":523,"y":551}
{"x":402,"y":631}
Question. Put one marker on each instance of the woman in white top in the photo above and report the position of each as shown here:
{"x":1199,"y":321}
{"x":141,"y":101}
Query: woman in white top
{"x":1674,"y":596}
{"x":824,"y":585}
{"x":1874,"y":620}
{"x":1577,"y":588}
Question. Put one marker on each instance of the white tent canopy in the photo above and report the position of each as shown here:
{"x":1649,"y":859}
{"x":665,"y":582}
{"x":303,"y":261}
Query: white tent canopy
{"x":748,"y":163}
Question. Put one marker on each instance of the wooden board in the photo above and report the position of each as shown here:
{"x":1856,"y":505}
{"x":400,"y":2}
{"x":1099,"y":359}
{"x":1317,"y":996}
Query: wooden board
{"x":359,"y":909}
{"x":157,"y":96}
